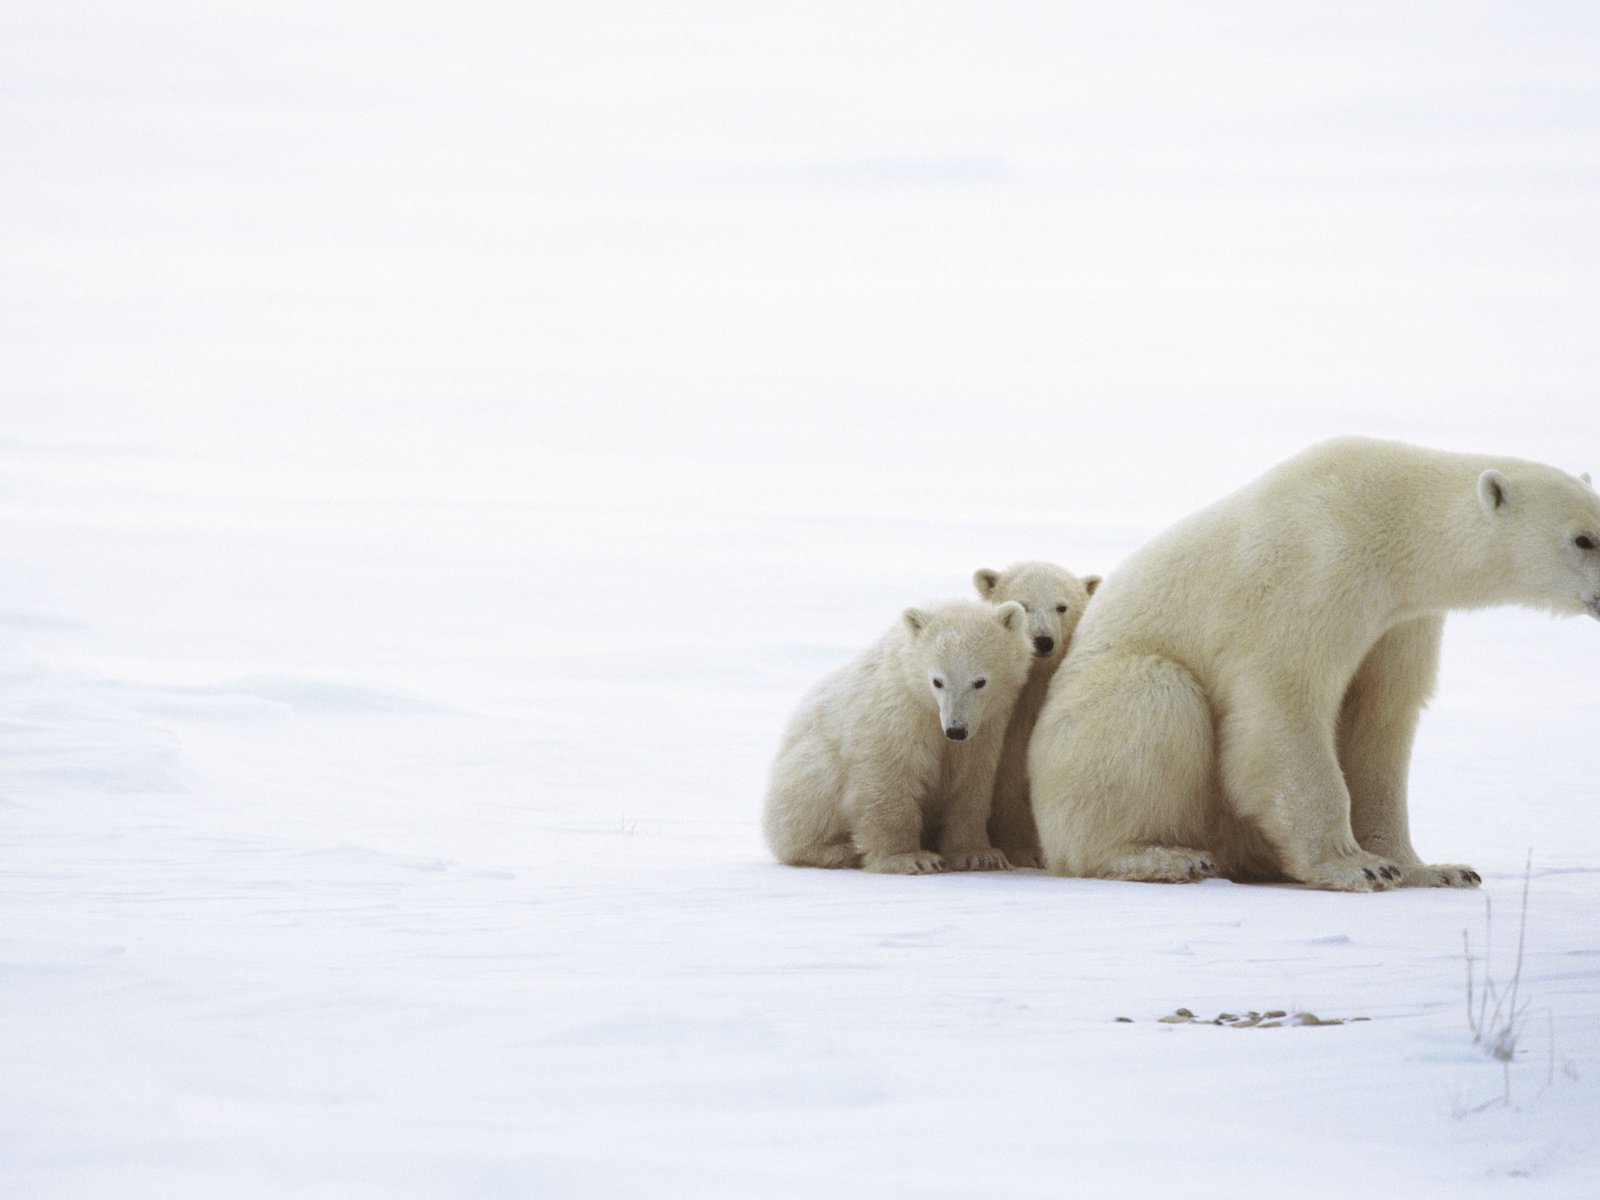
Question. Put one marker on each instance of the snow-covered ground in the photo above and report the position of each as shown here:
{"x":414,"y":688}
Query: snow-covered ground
{"x":438,"y":447}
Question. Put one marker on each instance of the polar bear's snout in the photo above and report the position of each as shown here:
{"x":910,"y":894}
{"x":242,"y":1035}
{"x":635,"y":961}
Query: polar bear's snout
{"x":1043,"y":645}
{"x":955,"y":717}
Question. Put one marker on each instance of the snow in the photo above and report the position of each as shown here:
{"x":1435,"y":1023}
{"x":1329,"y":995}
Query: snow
{"x":438,"y":448}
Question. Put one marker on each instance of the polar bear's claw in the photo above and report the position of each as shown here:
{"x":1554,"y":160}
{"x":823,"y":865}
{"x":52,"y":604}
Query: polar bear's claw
{"x":1447,"y":875}
{"x":977,"y":860}
{"x":1032,"y":857}
{"x":1361,"y":872}
{"x":1159,"y":864}
{"x":916,"y":862}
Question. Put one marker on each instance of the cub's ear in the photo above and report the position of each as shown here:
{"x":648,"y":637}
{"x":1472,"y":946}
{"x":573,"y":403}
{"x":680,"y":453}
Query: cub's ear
{"x":915,"y":620}
{"x":986,"y":581}
{"x":1586,"y":479}
{"x":1090,"y":582}
{"x":1494,"y":493}
{"x":1009,"y":615}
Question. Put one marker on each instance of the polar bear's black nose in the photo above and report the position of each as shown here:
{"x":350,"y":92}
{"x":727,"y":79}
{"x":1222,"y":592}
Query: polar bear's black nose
{"x":956,"y":733}
{"x":1043,"y":645}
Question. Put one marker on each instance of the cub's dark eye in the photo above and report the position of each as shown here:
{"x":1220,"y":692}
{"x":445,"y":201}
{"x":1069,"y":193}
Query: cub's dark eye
{"x":938,"y":683}
{"x":1061,"y":608}
{"x":978,"y":683}
{"x":1584,"y":542}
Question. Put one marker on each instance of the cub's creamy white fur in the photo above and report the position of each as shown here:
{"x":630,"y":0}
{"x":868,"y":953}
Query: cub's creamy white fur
{"x":1241,"y":696}
{"x":1054,"y":600}
{"x":889,"y":762}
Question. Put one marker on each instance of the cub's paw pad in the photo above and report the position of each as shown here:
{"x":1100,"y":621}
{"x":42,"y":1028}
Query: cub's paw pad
{"x":977,"y":860}
{"x":917,"y":862}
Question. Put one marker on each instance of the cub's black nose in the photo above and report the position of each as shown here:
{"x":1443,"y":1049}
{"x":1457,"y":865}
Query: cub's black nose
{"x":1043,"y":645}
{"x":956,"y":733}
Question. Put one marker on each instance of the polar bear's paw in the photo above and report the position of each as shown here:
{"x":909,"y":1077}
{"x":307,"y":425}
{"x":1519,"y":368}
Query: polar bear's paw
{"x":1450,"y":875}
{"x":1359,"y":872}
{"x":916,"y":862}
{"x":829,"y":854}
{"x":985,"y":859}
{"x":1161,"y":864}
{"x":1026,"y":856}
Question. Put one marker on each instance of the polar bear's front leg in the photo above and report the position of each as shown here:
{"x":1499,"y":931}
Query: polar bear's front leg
{"x":886,"y":826}
{"x":1377,"y":724}
{"x":1280,"y":771}
{"x":1011,"y":825}
{"x":964,"y":828}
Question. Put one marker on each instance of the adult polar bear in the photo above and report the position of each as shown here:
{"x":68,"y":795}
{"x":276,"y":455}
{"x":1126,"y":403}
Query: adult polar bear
{"x":1241,"y":696}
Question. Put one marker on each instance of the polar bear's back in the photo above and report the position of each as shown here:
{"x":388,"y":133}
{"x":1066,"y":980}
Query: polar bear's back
{"x":872,"y":684}
{"x":1299,"y":546}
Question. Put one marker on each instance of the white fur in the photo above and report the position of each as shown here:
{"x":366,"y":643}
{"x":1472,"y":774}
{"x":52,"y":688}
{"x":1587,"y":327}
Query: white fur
{"x":1053,"y":599}
{"x":868,"y":773}
{"x":1241,"y":696}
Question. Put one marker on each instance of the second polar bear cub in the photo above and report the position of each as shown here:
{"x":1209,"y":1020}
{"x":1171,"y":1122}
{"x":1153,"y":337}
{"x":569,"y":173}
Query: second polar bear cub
{"x":1053,"y":599}
{"x":889,"y":762}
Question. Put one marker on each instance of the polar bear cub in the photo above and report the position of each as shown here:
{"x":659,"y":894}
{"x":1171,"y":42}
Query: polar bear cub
{"x":889,"y":763}
{"x":1241,"y":697}
{"x":1053,"y":600}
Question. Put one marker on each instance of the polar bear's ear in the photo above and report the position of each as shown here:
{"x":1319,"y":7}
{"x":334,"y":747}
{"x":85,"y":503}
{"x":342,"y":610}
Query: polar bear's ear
{"x":916,"y":620}
{"x":1494,"y":493}
{"x":1090,"y":582}
{"x":1009,"y":614}
{"x":986,"y":581}
{"x":1587,"y":480}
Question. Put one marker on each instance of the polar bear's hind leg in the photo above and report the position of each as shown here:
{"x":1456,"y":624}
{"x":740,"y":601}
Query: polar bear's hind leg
{"x":1122,"y":763}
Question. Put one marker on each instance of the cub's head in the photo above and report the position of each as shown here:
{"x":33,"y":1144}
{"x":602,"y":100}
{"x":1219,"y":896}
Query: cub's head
{"x":1052,"y":599}
{"x":971,"y":659}
{"x":1551,"y":525}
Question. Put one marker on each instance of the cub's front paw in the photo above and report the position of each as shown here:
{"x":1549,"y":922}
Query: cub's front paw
{"x":1026,"y":856}
{"x":916,"y":862}
{"x":986,"y":859}
{"x":1359,"y":872}
{"x":1450,"y":875}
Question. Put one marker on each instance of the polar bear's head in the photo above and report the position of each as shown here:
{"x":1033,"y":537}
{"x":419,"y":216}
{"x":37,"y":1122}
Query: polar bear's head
{"x":1551,"y":523}
{"x":971,"y":659}
{"x":1052,"y":598}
